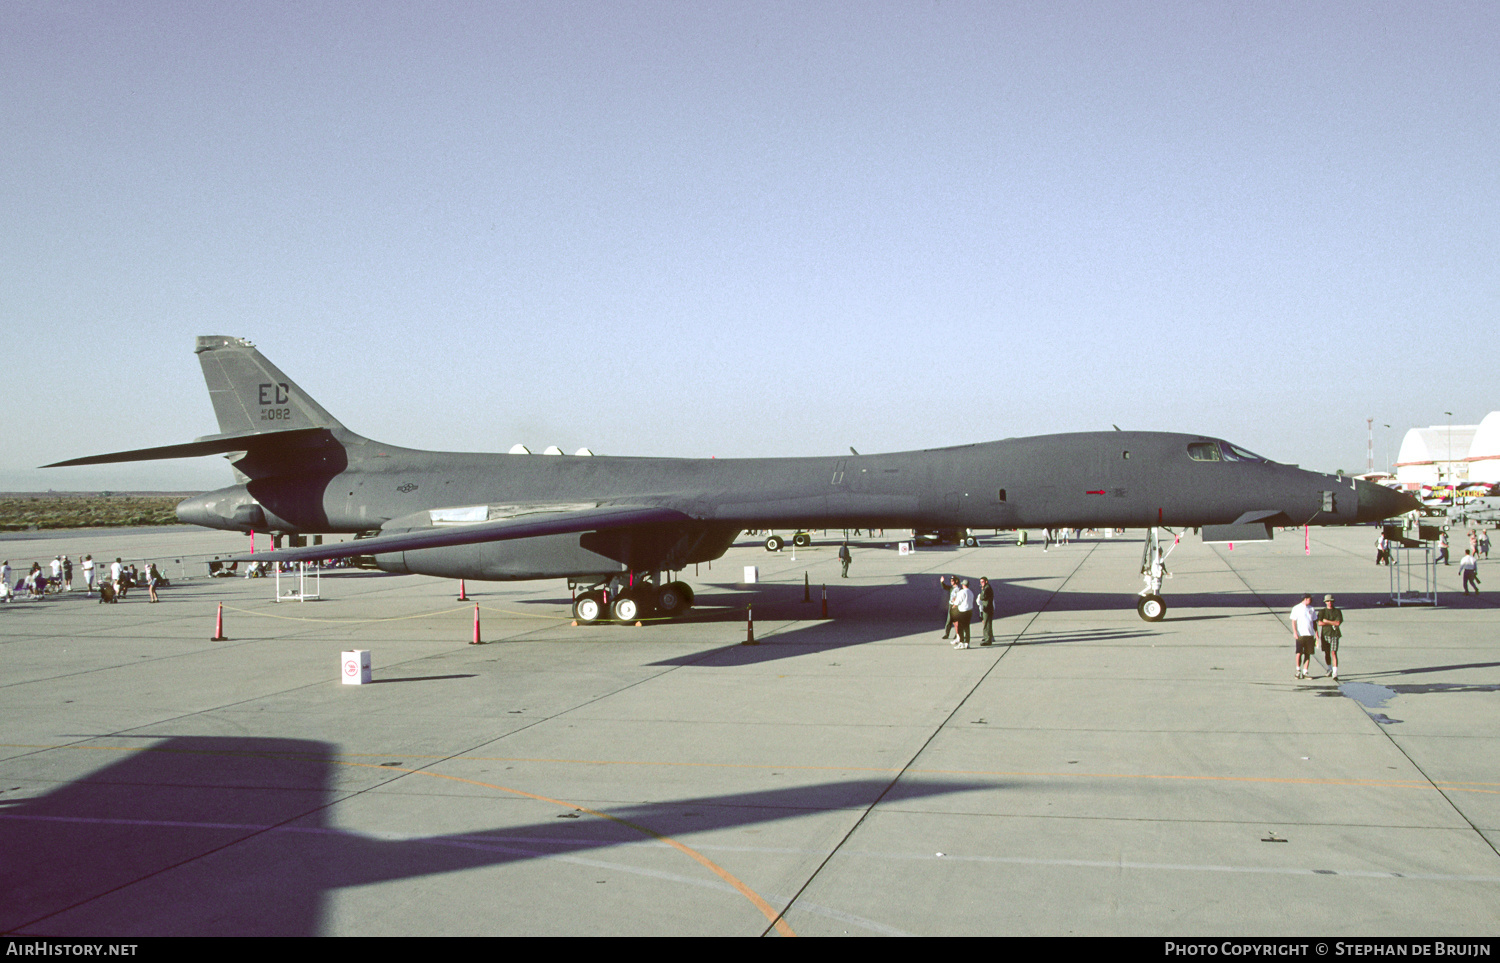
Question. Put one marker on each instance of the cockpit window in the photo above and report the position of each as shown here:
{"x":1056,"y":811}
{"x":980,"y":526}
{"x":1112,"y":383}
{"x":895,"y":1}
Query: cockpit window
{"x":1220,"y":451}
{"x":1236,"y":453}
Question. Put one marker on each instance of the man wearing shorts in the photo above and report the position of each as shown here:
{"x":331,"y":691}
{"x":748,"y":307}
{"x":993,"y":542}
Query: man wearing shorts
{"x":1331,"y":628}
{"x":1304,"y":628}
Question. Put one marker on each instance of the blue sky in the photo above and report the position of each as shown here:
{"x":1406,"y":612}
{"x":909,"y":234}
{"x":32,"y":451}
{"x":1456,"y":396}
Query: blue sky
{"x":741,"y":229}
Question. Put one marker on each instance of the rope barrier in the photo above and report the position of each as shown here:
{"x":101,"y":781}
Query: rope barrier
{"x":397,"y":618}
{"x":705,"y":615}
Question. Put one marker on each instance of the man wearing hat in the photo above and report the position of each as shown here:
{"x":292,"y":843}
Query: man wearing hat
{"x":1330,"y":627}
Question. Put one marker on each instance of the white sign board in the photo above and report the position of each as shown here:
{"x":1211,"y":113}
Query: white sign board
{"x":355,"y":667}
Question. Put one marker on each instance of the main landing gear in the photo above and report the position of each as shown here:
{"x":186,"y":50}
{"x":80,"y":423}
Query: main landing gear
{"x":775,"y":543}
{"x":1151,"y":606}
{"x":622,"y":601}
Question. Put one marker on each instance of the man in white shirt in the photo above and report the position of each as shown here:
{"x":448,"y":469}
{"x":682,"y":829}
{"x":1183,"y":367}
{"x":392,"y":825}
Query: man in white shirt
{"x":1304,"y":630}
{"x":962,"y":601}
{"x":1469,"y":569}
{"x":88,"y":574}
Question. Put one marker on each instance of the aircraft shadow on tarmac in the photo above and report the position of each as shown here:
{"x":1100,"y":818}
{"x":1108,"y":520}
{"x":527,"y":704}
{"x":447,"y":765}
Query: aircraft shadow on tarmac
{"x":1419,"y":670}
{"x":921,"y":599}
{"x":863,"y":614}
{"x":1381,"y":690}
{"x":224,"y":836}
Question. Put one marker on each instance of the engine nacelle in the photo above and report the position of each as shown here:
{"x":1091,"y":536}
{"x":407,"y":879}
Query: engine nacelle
{"x":232,"y":509}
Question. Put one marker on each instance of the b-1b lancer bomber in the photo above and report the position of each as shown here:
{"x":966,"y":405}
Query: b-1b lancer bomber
{"x":617,"y":527}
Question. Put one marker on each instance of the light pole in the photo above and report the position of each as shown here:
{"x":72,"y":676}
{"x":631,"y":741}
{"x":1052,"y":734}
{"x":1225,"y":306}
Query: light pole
{"x":1450,"y":448}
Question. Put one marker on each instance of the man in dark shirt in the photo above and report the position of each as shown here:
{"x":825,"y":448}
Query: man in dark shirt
{"x":987,"y":606}
{"x":1330,"y":627}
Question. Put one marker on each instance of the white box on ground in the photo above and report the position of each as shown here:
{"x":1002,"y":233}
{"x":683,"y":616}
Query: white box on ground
{"x":355,"y":667}
{"x":904,"y":548}
{"x":752,"y":574}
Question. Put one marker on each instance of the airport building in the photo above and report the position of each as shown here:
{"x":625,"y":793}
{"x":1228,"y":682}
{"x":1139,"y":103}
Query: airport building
{"x":1450,"y":455}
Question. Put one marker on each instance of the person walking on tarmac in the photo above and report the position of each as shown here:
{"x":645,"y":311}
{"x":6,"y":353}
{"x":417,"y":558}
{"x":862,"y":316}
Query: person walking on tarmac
{"x":845,"y":558}
{"x":1304,"y":627}
{"x":1468,"y":567}
{"x":1331,"y":628}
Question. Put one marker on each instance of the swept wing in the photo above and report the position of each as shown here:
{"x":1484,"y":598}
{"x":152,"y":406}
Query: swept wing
{"x":529,"y":525}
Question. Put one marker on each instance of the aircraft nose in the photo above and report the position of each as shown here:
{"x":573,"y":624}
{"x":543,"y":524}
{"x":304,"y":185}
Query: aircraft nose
{"x":1377,"y":502}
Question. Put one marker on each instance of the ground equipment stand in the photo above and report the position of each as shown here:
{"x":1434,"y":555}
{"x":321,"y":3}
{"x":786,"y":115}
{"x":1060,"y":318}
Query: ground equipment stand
{"x":302,"y":593}
{"x":1413,"y":571}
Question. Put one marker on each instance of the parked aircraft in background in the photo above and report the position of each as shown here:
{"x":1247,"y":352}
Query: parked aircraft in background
{"x":618,"y":527}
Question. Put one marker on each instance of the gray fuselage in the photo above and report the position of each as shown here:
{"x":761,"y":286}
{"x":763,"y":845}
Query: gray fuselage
{"x":1090,"y":479}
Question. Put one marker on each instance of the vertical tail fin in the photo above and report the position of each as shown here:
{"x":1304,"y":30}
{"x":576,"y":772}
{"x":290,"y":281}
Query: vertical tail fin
{"x":250,"y":393}
{"x":268,"y":426}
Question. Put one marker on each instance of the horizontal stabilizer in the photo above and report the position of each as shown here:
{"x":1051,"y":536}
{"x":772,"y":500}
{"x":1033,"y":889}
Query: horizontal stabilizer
{"x":592,"y":519}
{"x":207,"y":445}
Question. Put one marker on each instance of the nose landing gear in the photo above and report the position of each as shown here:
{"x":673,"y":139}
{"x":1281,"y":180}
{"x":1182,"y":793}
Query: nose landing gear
{"x":1151,"y":606}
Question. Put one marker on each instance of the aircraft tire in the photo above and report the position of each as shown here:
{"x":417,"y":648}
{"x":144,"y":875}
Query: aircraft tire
{"x":670,"y":598}
{"x":626,"y":608}
{"x":971,"y":541}
{"x":688,"y":595}
{"x":1152,"y":608}
{"x":802,"y":538}
{"x":774,"y":543}
{"x":588,"y":608}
